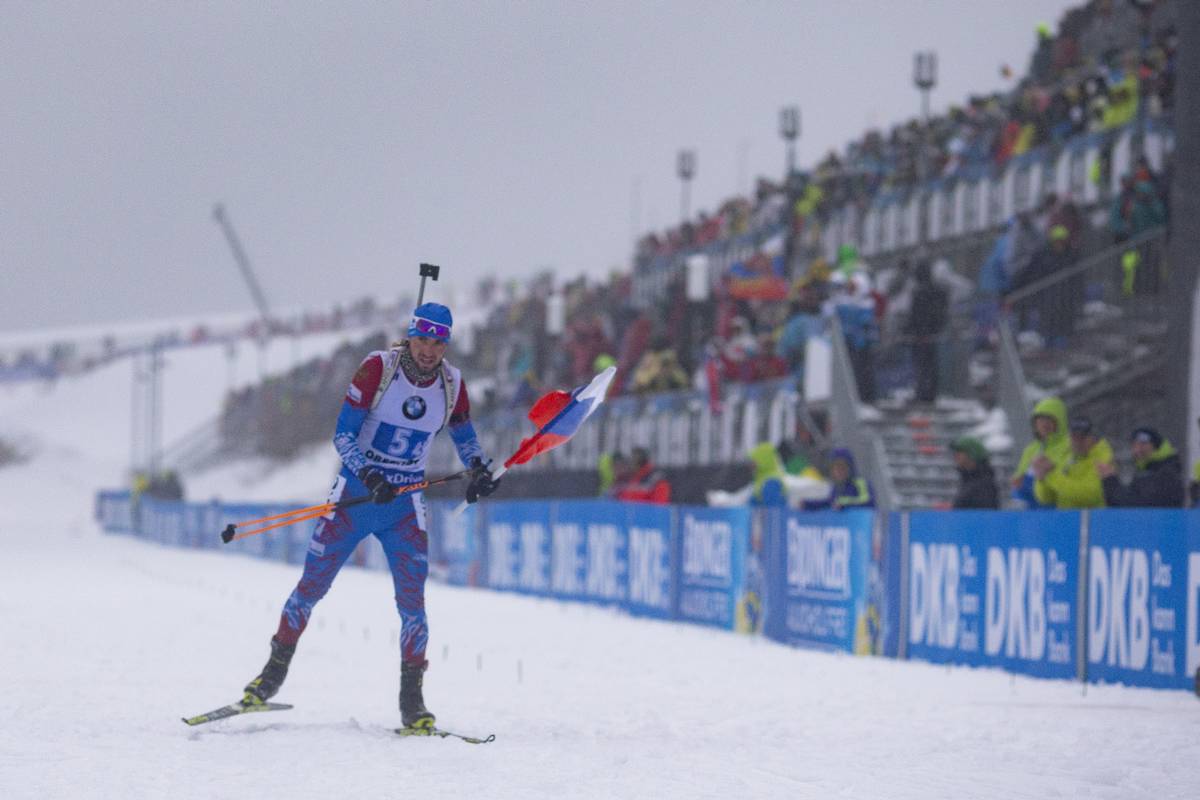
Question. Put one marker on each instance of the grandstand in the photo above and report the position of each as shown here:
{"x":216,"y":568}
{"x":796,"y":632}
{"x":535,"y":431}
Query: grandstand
{"x":697,"y":326}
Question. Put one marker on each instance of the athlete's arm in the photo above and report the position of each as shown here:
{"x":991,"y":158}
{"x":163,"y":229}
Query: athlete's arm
{"x":462,"y":432}
{"x":355,"y":408}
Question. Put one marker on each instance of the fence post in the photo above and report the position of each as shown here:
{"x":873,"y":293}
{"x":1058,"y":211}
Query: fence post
{"x":1081,"y":601}
{"x":902,"y":643}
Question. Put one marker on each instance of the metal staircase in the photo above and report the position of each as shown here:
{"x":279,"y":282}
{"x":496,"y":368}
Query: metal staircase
{"x":1112,"y":366}
{"x":1108,"y":362}
{"x":916,"y":441}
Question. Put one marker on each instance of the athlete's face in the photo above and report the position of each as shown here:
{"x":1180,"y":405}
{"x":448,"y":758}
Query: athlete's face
{"x":427,"y":352}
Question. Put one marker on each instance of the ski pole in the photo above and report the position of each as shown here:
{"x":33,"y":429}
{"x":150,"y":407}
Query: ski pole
{"x":231,"y":533}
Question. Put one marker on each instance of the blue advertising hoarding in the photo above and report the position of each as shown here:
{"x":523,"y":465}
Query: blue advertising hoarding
{"x":114,"y":511}
{"x":455,"y":552}
{"x":990,"y":588}
{"x":517,"y":547}
{"x":819,"y":580}
{"x":592,"y":563}
{"x":711,"y":557}
{"x":650,"y":539}
{"x":1000,"y":589}
{"x":1143,"y":590}
{"x":884,"y":582}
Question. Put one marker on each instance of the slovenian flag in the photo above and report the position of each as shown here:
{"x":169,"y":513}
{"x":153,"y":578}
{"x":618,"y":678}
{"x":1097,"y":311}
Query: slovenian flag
{"x":559,"y":414}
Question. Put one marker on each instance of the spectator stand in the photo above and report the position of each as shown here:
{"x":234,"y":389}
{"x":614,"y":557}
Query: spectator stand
{"x":1111,"y":332}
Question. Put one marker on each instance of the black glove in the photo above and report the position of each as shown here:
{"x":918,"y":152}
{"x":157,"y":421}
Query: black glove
{"x":381,"y":491}
{"x":481,"y":484}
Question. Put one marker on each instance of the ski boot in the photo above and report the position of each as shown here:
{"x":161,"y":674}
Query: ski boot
{"x":413,"y":713}
{"x":264,"y":687}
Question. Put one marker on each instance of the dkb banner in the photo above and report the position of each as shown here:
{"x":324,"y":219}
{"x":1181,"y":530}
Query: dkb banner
{"x":517,"y":543}
{"x":590,"y":552}
{"x":999,"y":589}
{"x":114,"y":512}
{"x":595,"y":551}
{"x":1143,"y":584}
{"x":651,"y":543}
{"x":819,"y":580}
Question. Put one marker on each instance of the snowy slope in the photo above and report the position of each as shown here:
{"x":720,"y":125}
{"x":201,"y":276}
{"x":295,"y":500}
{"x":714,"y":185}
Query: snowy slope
{"x":91,"y":415}
{"x":108,"y":641}
{"x":105,"y":642}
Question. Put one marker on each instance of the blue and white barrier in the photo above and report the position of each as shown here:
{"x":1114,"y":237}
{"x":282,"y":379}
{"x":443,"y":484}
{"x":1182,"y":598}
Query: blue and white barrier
{"x":1101,"y":596}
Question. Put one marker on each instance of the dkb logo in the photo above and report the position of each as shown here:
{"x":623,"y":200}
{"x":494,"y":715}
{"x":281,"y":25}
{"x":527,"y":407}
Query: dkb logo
{"x":933,"y":594}
{"x":1016,"y":603}
{"x":1118,"y":607}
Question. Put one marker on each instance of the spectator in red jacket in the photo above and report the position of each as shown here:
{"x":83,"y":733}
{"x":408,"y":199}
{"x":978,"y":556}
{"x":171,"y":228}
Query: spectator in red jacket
{"x":646,"y":483}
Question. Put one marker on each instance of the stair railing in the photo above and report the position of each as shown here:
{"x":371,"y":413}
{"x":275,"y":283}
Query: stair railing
{"x":846,"y":426}
{"x":1010,"y":388}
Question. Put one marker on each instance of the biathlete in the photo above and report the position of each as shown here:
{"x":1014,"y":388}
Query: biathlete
{"x":397,"y":402}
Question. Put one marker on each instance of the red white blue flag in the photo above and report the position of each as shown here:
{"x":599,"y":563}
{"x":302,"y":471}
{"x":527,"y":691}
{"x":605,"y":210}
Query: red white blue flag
{"x":559,"y":414}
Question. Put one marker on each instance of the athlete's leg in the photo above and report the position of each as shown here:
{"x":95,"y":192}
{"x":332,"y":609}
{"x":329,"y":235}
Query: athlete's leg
{"x":406,"y":546}
{"x":333,"y":540}
{"x":407,"y":549}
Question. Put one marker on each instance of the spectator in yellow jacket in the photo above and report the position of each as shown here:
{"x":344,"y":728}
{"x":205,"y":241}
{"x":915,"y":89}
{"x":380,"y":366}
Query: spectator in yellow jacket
{"x":1050,"y":441}
{"x":1074,"y":483}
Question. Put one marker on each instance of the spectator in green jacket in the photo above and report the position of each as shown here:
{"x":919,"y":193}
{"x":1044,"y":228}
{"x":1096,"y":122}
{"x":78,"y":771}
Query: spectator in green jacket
{"x":1158,"y":480}
{"x":610,"y":468}
{"x":1074,"y":483}
{"x":1050,"y":440}
{"x":768,"y":476}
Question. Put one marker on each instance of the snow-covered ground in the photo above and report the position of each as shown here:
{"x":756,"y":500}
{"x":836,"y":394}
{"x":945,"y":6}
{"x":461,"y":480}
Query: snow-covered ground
{"x":105,"y":642}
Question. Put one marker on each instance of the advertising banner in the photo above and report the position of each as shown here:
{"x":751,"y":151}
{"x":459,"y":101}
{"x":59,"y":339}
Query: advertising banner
{"x":711,"y":564}
{"x":885,"y":583}
{"x":980,"y":588}
{"x":114,"y":512}
{"x":590,"y":552}
{"x":1143,"y":597}
{"x":997,"y":589}
{"x":651,"y":583}
{"x":517,"y":536}
{"x":819,"y":580}
{"x":455,"y":555}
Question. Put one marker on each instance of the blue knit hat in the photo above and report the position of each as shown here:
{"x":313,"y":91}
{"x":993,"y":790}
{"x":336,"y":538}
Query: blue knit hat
{"x":431,"y":320}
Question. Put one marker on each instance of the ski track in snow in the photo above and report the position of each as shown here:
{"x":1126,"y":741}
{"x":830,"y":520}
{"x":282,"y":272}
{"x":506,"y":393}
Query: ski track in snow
{"x":105,"y":642}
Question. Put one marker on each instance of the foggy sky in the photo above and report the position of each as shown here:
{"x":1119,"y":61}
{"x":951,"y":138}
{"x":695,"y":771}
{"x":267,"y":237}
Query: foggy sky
{"x":349,"y":141}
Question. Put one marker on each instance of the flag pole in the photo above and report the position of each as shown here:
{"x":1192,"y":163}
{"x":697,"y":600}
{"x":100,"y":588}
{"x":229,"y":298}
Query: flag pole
{"x":596,"y":389}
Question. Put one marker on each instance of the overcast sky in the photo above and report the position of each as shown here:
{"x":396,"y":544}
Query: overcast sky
{"x":350,"y":141}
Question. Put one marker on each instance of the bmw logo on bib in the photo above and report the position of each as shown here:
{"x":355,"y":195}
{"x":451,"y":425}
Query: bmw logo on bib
{"x":414,"y":407}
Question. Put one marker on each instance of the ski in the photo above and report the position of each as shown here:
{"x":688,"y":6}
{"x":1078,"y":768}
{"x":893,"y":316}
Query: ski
{"x":233,"y":710}
{"x":491,"y":737}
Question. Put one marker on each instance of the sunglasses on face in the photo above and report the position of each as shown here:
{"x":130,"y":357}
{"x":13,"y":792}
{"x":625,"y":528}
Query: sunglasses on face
{"x":426,"y":327}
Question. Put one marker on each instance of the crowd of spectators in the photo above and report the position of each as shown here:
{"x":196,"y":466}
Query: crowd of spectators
{"x":1070,"y":465}
{"x":286,"y":413}
{"x":80,"y":355}
{"x":1109,"y":60}
{"x":1035,"y":247}
{"x":1110,"y":63}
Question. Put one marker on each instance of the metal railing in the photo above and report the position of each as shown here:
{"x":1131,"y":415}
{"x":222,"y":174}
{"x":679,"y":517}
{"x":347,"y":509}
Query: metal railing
{"x":1122,"y":283}
{"x":1127,"y":278}
{"x":846,"y":428}
{"x":1010,"y":389}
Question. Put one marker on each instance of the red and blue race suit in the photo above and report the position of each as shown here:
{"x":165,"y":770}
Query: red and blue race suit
{"x":391,"y":436}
